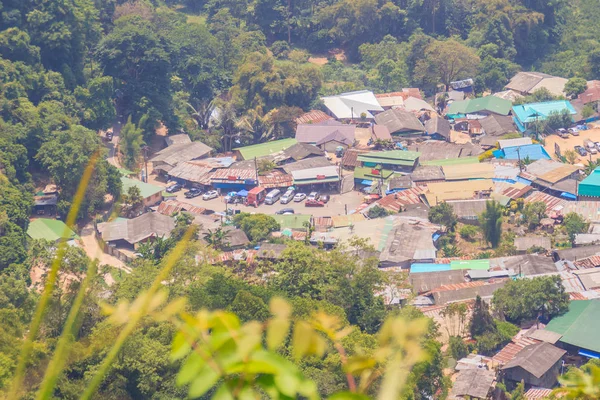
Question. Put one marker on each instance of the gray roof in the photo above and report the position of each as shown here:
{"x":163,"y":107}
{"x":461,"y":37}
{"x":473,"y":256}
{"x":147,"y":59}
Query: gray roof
{"x":426,"y":281}
{"x":438,"y":125}
{"x":399,"y":121}
{"x":300,"y":151}
{"x":590,"y":278}
{"x":137,"y":229}
{"x":441,"y":150}
{"x":190,"y":172}
{"x":527,"y":242}
{"x":424,"y":173}
{"x":335,"y":136}
{"x":182,"y":138}
{"x":528,"y":265}
{"x":177,"y":153}
{"x":543,"y":166}
{"x":312,"y":133}
{"x":408,"y":242}
{"x":270,"y":250}
{"x":576,"y":253}
{"x":497,"y":125}
{"x":468,"y":209}
{"x":474,"y":383}
{"x":307,"y":163}
{"x":400,"y":182}
{"x":545,"y":336}
{"x":236,"y":238}
{"x":537,"y":359}
{"x":312,"y":173}
{"x":467,"y":293}
{"x":525,"y":81}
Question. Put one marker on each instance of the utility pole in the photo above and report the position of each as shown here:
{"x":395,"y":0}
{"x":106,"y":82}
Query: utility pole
{"x":519,"y":156}
{"x":145,"y":148}
{"x":256,"y":169}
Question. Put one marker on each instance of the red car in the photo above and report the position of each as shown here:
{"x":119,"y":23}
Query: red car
{"x":314,"y":203}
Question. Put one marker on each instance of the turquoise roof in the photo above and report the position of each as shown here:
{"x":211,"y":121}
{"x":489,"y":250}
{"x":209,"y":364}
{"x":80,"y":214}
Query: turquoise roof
{"x":590,"y":186}
{"x":526,"y":113}
{"x":427,"y":267}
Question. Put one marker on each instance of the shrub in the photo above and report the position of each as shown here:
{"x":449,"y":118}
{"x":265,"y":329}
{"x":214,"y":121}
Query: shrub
{"x":377,"y":212}
{"x":468,"y":232}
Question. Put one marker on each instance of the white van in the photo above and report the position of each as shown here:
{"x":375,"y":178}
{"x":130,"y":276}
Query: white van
{"x":273,"y":196}
{"x":287,"y":196}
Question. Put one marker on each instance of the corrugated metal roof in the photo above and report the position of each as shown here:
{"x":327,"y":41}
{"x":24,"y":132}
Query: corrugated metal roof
{"x":535,"y":393}
{"x":551,"y":202}
{"x":340,"y":221}
{"x":473,"y":171}
{"x":514,"y":142}
{"x":510,"y":351}
{"x":352,"y":104}
{"x":275,"y":180}
{"x":313,"y":116}
{"x":238,"y":174}
{"x":265,"y":149}
{"x":470,"y":264}
{"x":396,"y":201}
{"x":313,"y":173}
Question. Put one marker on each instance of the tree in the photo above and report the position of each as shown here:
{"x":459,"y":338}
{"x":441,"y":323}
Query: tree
{"x":575,"y":86}
{"x":491,"y":223}
{"x":446,"y":61}
{"x":574,"y":223}
{"x":527,"y":299}
{"x":587,"y":111}
{"x":580,"y":383}
{"x":131,"y":143}
{"x":570,"y":156}
{"x":377,"y":212}
{"x":457,"y":347}
{"x":443,"y":214}
{"x":216,"y":238}
{"x":481,"y":321}
{"x":257,"y":227}
{"x":533,"y":213}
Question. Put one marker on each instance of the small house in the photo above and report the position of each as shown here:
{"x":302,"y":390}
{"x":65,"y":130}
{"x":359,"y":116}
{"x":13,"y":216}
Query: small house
{"x":129,"y":233}
{"x":400,"y":122}
{"x":537,"y":365}
{"x":473,"y":384}
{"x":166,"y":159}
{"x":526,"y":115}
{"x":527,"y":82}
{"x":394,"y":160}
{"x":358,"y":105}
{"x":152,"y":194}
{"x":438,"y":128}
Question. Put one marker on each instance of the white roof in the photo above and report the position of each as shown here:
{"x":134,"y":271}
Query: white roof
{"x":414,"y":104}
{"x":312,"y":173}
{"x":352,"y":104}
{"x":514,"y":142}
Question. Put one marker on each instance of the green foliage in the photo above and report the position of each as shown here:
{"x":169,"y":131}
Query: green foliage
{"x":481,"y":321}
{"x":257,"y":227}
{"x":131,"y":143}
{"x":443,"y":214}
{"x":574,"y":223}
{"x":580,"y":383}
{"x":527,"y":299}
{"x":533,"y":213}
{"x":575,"y":86}
{"x":377,"y":212}
{"x":468,"y":232}
{"x":491,"y":223}
{"x":457,"y":348}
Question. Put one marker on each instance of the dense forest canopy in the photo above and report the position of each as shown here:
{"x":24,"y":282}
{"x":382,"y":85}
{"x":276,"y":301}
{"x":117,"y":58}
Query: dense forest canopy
{"x":69,"y":68}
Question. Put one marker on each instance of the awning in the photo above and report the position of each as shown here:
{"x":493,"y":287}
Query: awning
{"x":243,"y":193}
{"x":589,"y":354}
{"x":366,"y":182}
{"x":523,"y":181}
{"x":568,"y":195}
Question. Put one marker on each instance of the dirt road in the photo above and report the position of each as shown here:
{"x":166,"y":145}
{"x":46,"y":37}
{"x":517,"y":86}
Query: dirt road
{"x":93,"y":250}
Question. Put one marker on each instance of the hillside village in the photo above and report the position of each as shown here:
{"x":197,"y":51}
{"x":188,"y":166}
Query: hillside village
{"x":317,"y":199}
{"x":393,"y":169}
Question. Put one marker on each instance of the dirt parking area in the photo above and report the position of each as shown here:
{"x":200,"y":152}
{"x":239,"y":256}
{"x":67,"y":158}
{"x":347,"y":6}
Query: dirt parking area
{"x":569,"y":144}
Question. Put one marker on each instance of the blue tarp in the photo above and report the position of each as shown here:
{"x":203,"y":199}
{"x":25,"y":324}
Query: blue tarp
{"x":532,"y":151}
{"x":523,"y":181}
{"x":588,"y":353}
{"x":498,"y":153}
{"x":568,"y":195}
{"x":427,"y":267}
{"x":229,"y":186}
{"x":243,"y":193}
{"x":503,"y":180}
{"x":366,"y":182}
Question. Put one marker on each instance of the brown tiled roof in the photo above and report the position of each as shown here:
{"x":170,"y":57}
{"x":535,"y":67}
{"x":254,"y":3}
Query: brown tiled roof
{"x":313,"y":117}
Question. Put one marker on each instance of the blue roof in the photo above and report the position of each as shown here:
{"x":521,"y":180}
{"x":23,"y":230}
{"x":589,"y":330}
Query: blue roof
{"x":529,"y":112}
{"x":426,"y":267}
{"x":533,"y":151}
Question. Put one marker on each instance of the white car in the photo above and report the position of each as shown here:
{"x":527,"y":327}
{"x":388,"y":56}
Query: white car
{"x":212,"y":194}
{"x":299,"y":197}
{"x":313,"y":196}
{"x":598,"y":145}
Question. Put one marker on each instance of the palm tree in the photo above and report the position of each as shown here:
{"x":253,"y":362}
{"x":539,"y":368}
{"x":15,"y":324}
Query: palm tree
{"x":216,"y":238}
{"x":591,"y":166}
{"x":202,"y":112}
{"x":257,"y":125}
{"x":226,"y":123}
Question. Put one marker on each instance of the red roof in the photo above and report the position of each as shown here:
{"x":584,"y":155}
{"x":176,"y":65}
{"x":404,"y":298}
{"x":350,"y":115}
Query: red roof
{"x":515,"y":193}
{"x":350,"y":158}
{"x":313,"y":117}
{"x":275,"y":180}
{"x":511,"y":350}
{"x":589,"y":262}
{"x":551,"y":201}
{"x":173,"y":206}
{"x":533,"y":394}
{"x":464,"y":285}
{"x":396,"y":201}
{"x":238,"y":174}
{"x":592,"y":93}
{"x":405,"y":93}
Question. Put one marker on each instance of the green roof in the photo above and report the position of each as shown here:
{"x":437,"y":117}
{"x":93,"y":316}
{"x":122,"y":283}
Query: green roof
{"x":452,"y":161}
{"x":146,"y":189}
{"x":483,"y":265}
{"x":590,"y":186}
{"x":392,"y":157}
{"x":50,"y":229}
{"x":487,"y":103}
{"x":265,"y":149}
{"x":365,"y":173}
{"x":292,"y":221}
{"x":125,"y":172}
{"x":580,"y":325}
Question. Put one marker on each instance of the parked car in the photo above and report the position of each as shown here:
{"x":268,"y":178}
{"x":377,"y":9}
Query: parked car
{"x":562,"y":133}
{"x":314,"y":203}
{"x":174,"y":188}
{"x":299,"y":197}
{"x":582,"y":152}
{"x":590,"y":146}
{"x":598,"y":145}
{"x":287,"y":196}
{"x":574,"y":131}
{"x":285,"y":211}
{"x":109,"y":135}
{"x":193,"y":192}
{"x":313,"y":196}
{"x":212,"y":194}
{"x":324,"y":198}
{"x":370,"y":198}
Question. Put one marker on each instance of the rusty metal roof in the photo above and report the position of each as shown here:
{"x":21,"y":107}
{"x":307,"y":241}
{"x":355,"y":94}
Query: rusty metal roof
{"x":275,"y":179}
{"x":510,"y":351}
{"x":396,"y":201}
{"x":533,"y":394}
{"x":551,"y":201}
{"x":313,"y":117}
{"x":239,"y":174}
